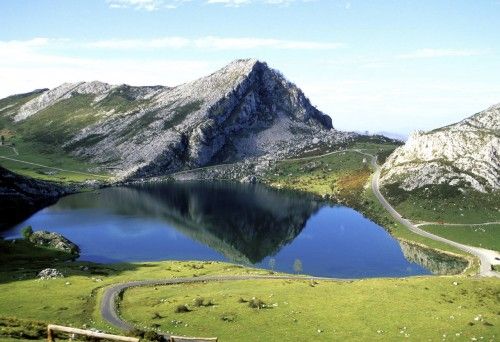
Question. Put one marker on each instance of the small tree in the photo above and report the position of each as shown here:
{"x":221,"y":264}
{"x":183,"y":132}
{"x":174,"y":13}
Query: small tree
{"x":272,"y":263}
{"x":27,"y":232}
{"x":3,"y":140}
{"x":297,"y":266}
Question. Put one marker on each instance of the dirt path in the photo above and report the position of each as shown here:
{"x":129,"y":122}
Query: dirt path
{"x":53,"y":168}
{"x":11,"y":147}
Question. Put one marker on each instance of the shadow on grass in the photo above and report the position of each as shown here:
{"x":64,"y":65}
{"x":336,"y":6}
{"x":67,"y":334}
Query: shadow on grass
{"x":21,"y":260}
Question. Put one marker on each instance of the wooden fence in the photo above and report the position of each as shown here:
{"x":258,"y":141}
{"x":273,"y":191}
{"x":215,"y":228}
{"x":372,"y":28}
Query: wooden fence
{"x":52,"y":328}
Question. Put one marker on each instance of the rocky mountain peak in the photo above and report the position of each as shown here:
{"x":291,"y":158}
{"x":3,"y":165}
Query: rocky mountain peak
{"x":465,"y":154}
{"x":244,"y":110}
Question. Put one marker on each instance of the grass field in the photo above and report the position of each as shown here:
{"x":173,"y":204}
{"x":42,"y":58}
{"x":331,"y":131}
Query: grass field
{"x":446,"y":204}
{"x":341,"y":175}
{"x":330,"y":175}
{"x":51,"y":157}
{"x":40,"y":139}
{"x":322,"y":311}
{"x":73,"y":300}
{"x":340,"y":310}
{"x":481,"y":236}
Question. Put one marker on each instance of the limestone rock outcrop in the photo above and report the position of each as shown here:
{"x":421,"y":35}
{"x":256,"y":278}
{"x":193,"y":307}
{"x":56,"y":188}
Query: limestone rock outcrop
{"x":244,"y":110}
{"x":465,"y":154}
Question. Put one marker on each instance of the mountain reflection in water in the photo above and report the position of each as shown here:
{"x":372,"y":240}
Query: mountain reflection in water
{"x":246,"y":224}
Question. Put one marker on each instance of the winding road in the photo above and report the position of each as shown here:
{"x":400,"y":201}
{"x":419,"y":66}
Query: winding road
{"x":109,"y":303}
{"x":486,"y":256}
{"x":456,"y":224}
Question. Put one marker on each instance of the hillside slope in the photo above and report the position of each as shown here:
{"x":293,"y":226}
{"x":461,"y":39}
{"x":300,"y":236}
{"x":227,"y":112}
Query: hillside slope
{"x":21,"y":196}
{"x":463,"y":155}
{"x":244,"y":110}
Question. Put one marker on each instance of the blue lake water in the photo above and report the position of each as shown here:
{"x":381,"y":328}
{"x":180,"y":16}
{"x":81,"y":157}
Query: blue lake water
{"x":244,"y":224}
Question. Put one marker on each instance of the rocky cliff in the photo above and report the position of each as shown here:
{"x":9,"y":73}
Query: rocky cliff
{"x":245,"y":110}
{"x":465,"y":155}
{"x":436,"y":262}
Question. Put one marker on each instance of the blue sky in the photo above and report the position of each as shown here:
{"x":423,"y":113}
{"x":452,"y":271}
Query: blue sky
{"x":393,"y":66}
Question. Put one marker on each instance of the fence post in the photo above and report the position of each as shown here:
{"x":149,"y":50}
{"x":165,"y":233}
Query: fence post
{"x":49,"y":334}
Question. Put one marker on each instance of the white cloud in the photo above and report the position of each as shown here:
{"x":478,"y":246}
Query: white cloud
{"x":436,"y":53}
{"x":212,"y":43}
{"x":238,"y":3}
{"x":148,"y":5}
{"x":152,"y":5}
{"x":129,"y":44}
{"x":26,"y":65}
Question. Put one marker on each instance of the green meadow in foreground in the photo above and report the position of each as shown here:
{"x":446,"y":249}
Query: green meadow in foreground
{"x":421,"y":307}
{"x":270,"y":310}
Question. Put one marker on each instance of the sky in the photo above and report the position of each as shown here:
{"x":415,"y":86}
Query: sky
{"x":378,"y":66}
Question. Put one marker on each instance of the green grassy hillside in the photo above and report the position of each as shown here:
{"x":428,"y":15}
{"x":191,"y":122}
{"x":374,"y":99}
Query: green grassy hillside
{"x":40,"y":139}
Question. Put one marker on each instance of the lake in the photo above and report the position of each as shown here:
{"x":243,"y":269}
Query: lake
{"x":239,"y":223}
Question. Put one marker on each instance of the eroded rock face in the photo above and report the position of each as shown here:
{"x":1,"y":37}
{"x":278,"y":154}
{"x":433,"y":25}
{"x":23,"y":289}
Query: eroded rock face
{"x":245,"y":110}
{"x":55,"y":241}
{"x":465,"y":154}
{"x":437,"y":263}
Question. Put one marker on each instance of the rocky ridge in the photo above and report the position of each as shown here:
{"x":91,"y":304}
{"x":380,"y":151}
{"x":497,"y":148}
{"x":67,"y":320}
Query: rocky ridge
{"x":244,"y":110}
{"x":465,"y":154}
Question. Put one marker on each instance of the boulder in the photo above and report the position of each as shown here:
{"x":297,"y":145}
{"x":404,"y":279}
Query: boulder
{"x":249,"y":179}
{"x":55,"y":241}
{"x":50,"y":273}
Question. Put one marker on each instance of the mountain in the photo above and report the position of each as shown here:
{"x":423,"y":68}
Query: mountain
{"x":465,"y":155}
{"x":244,"y":110}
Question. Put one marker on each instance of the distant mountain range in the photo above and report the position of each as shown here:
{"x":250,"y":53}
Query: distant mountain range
{"x":464,"y":155}
{"x":243,"y":110}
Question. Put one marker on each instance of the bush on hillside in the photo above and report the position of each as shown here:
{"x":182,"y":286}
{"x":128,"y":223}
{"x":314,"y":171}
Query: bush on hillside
{"x":27,"y":232}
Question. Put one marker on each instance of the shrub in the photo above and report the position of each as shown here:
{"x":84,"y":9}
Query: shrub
{"x":27,"y":232}
{"x":229,"y":317}
{"x":256,"y":303}
{"x":182,"y":308}
{"x":198,"y":301}
{"x":136,"y":333}
{"x":24,"y":329}
{"x":157,"y":315}
{"x":153,"y":336}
